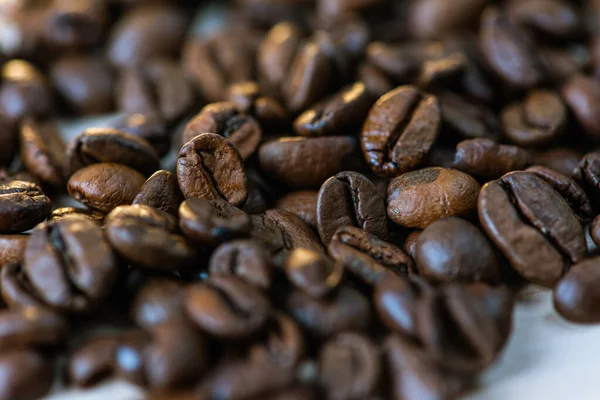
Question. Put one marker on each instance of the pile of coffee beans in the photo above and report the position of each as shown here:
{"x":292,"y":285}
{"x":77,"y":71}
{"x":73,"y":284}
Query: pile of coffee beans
{"x":358,"y":191}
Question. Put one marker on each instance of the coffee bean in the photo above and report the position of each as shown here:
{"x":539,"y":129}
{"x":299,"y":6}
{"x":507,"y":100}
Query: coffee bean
{"x":305,"y":163}
{"x":160,"y":191}
{"x":72,"y":26}
{"x":150,"y":127}
{"x":64,"y":212}
{"x":246,"y":259}
{"x":129,"y":357}
{"x":349,"y":367}
{"x":12,"y":248}
{"x":227,"y":120}
{"x":367,"y":256}
{"x":559,"y":159}
{"x":376,"y":83}
{"x":43,"y":151}
{"x":532,"y":225}
{"x":210,"y":167}
{"x":418,"y":198}
{"x":404,"y":60}
{"x":410,"y":244}
{"x":148,"y":237}
{"x":441,"y":72}
{"x":555,"y":17}
{"x":338,"y":114}
{"x":468,"y":119}
{"x":581,"y":93}
{"x":16,"y":289}
{"x":444,"y":253}
{"x":587,"y":173}
{"x":536,"y":120}
{"x":283,"y":344}
{"x":227,"y":307}
{"x":25,"y":374}
{"x":576,"y":295}
{"x":69,"y":264}
{"x":159,"y":301}
{"x":248,"y":98}
{"x":350,"y":198}
{"x":434,"y":18}
{"x":105,"y":186}
{"x":400,"y":130}
{"x":31,"y":326}
{"x":487,"y":159}
{"x":93,"y":361}
{"x":22,"y":206}
{"x":313,"y":272}
{"x":212,"y":222}
{"x":562,"y":63}
{"x":302,"y":204}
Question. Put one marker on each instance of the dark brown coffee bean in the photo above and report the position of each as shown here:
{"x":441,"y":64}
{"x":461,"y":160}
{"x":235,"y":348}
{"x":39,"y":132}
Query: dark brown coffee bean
{"x":31,"y":326}
{"x":105,"y":186}
{"x":160,"y":191}
{"x":582,"y":94}
{"x":434,"y":18}
{"x":410,"y":244}
{"x":12,"y":248}
{"x":25,"y":375}
{"x":212,"y":222}
{"x":532,"y":225}
{"x":159,"y":301}
{"x":568,"y":189}
{"x":562,"y":63}
{"x":467,"y":119}
{"x":16,"y":289}
{"x":313,"y":272}
{"x":576,"y":294}
{"x":43,"y":151}
{"x":283,"y":344}
{"x":487,"y":159}
{"x":559,"y":159}
{"x":150,"y":127}
{"x":375,"y":81}
{"x":554,"y":17}
{"x":146,"y":32}
{"x":337,"y":115}
{"x":247,"y":97}
{"x":227,"y":307}
{"x":22,"y":206}
{"x":441,"y":72}
{"x":93,"y":361}
{"x":64,"y":212}
{"x":129,"y":357}
{"x":148,"y":237}
{"x":85,"y":83}
{"x":587,"y":173}
{"x":349,"y":367}
{"x":536,"y":120}
{"x":345,"y":310}
{"x":594,"y":230}
{"x":227,"y":120}
{"x":444,"y":253}
{"x":69,"y":264}
{"x":246,"y":259}
{"x":305,"y":163}
{"x":71,"y":26}
{"x":418,"y":198}
{"x":404,"y":60}
{"x":350,"y":198}
{"x":400,"y":130}
{"x":507,"y":50}
{"x":210,"y":167}
{"x":303,"y":204}
{"x":367,"y":256}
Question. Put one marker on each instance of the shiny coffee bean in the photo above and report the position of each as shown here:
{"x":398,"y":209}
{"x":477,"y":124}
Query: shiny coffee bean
{"x":158,"y":301}
{"x":210,"y":167}
{"x":22,"y":206}
{"x":64,"y":212}
{"x":313,"y":272}
{"x":487,"y":159}
{"x":12,"y":248}
{"x":400,"y":130}
{"x":303,"y":204}
{"x":418,"y":198}
{"x":148,"y":237}
{"x":150,"y":127}
{"x":587,"y":173}
{"x":160,"y":191}
{"x":105,"y":186}
{"x":576,"y":294}
{"x":581,"y":93}
{"x":43,"y":151}
{"x":25,"y":374}
{"x":245,"y":259}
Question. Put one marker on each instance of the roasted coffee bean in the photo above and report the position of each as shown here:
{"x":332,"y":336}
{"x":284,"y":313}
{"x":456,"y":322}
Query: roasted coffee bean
{"x":587,"y":173}
{"x":532,"y":225}
{"x":403,"y":61}
{"x":338,"y":114}
{"x":150,"y":127}
{"x":444,"y":253}
{"x":418,"y":198}
{"x":227,"y":307}
{"x":345,"y":310}
{"x":350,"y":198}
{"x":469,"y":120}
{"x":582,"y":93}
{"x":69,"y":264}
{"x":536,"y":120}
{"x":594,"y":230}
{"x":43,"y":151}
{"x":246,"y":259}
{"x":489,"y":160}
{"x":559,"y":159}
{"x":302,"y":204}
{"x":93,"y":361}
{"x":367,"y":256}
{"x":247,"y":97}
{"x":148,"y":237}
{"x":24,"y":92}
{"x":434,"y":18}
{"x":64,"y":212}
{"x":227,"y":120}
{"x":12,"y":248}
{"x":25,"y":375}
{"x":160,"y":191}
{"x":410,"y":244}
{"x":576,"y":294}
{"x":16,"y":289}
{"x":105,"y":186}
{"x":313,"y":272}
{"x":400,"y":130}
{"x":568,"y":189}
{"x":210,"y":167}
{"x":305,"y":163}
{"x":441,"y":72}
{"x":212,"y":222}
{"x":31,"y":326}
{"x":555,"y":17}
{"x":146,"y":32}
{"x":376,"y":82}
{"x":72,"y":26}
{"x":508,"y":51}
{"x":129,"y":359}
{"x":158,"y":301}
{"x":562,"y":63}
{"x":22,"y":206}
{"x":283,"y":343}
{"x":349,"y":367}
{"x":85,"y":83}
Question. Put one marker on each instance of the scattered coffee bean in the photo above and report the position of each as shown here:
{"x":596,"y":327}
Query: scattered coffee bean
{"x":160,"y":191}
{"x":246,"y":259}
{"x":576,"y":294}
{"x":43,"y":152}
{"x":302,"y":204}
{"x":489,"y":160}
{"x":313,"y":272}
{"x":22,"y":206}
